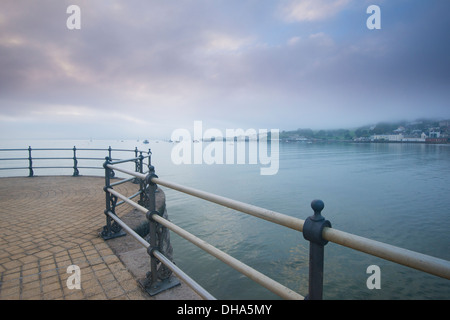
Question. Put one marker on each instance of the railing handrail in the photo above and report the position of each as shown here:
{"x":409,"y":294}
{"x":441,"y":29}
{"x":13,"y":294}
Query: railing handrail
{"x":412,"y":259}
{"x":71,"y":149}
{"x":273,"y":216}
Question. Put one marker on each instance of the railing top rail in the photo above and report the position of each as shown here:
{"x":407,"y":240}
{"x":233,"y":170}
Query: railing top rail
{"x":132,"y":173}
{"x":426,"y":263}
{"x":273,"y":216}
{"x":10,"y":159}
{"x":127,"y":160}
{"x":262,"y":213}
{"x":419,"y":261}
{"x":71,"y":149}
{"x":14,"y":149}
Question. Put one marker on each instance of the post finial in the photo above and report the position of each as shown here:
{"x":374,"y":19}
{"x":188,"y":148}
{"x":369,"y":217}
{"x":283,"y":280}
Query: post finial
{"x":317,"y":205}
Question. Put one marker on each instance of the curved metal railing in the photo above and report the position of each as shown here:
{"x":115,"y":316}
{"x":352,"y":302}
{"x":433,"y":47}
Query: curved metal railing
{"x":315,"y":229}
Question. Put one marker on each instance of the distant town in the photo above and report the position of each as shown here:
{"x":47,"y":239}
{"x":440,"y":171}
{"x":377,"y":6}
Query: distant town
{"x":419,"y":131}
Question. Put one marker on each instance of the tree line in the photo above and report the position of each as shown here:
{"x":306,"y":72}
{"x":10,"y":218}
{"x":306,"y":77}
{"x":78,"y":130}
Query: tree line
{"x":364,"y":131}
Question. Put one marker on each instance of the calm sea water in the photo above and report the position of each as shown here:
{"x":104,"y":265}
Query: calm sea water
{"x":394,"y":193}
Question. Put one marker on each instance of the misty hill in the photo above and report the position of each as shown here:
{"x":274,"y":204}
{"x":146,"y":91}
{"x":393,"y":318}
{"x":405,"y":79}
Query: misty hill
{"x":406,"y":127}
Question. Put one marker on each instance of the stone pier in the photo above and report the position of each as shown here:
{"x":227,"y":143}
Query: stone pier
{"x":49,"y":223}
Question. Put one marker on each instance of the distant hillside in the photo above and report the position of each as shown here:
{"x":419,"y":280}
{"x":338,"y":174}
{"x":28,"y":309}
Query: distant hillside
{"x":423,"y":125}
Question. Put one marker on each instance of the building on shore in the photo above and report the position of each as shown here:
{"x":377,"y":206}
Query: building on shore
{"x":437,"y":140}
{"x":434,"y":137}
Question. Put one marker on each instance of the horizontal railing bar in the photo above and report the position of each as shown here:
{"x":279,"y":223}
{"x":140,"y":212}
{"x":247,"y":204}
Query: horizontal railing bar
{"x":412,"y":259}
{"x":68,"y":149}
{"x":188,"y":280}
{"x":121,"y":181}
{"x":96,"y":149}
{"x":273,"y":216}
{"x":14,"y":159}
{"x":129,"y":150}
{"x":132,"y":173}
{"x":426,"y":263}
{"x":251,"y":273}
{"x":71,"y":149}
{"x":128,"y":229}
{"x":67,"y":167}
{"x":130,"y":197}
{"x":51,"y":149}
{"x":82,"y":158}
{"x":135,"y":195}
{"x":51,"y":158}
{"x":56,"y":167}
{"x":125,"y":160}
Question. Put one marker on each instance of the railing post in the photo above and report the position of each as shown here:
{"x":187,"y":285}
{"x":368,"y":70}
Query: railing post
{"x":112,"y":229}
{"x":141,"y":162}
{"x":136,"y":164}
{"x":312,"y":231}
{"x":149,"y":153}
{"x":75,"y":163}
{"x":159,"y":278}
{"x":138,"y":167}
{"x":30,"y":163}
{"x":140,"y":181}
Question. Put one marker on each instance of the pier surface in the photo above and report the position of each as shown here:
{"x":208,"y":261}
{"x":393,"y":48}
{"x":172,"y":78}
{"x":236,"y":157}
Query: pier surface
{"x":51,"y":222}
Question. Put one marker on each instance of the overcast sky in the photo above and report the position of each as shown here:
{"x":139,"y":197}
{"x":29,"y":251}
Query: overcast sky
{"x":141,"y":69}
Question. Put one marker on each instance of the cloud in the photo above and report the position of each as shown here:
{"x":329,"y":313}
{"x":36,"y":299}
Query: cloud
{"x":292,"y":41}
{"x":312,"y":10}
{"x":217,"y":43}
{"x":165,"y":64}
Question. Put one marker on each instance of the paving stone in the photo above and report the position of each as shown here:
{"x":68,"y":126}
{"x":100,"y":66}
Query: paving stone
{"x":48,"y":223}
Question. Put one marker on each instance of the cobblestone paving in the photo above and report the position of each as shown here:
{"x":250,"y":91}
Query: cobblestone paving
{"x":50,"y":223}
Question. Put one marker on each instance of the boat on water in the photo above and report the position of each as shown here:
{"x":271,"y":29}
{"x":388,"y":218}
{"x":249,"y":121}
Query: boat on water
{"x":145,"y":141}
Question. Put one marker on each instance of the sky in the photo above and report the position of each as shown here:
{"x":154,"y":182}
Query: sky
{"x":143,"y":68}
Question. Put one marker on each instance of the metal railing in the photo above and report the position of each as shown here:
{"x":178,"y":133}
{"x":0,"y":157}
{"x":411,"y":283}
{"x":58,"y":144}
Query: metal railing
{"x":155,"y":285}
{"x":30,"y":160}
{"x":315,"y":229}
